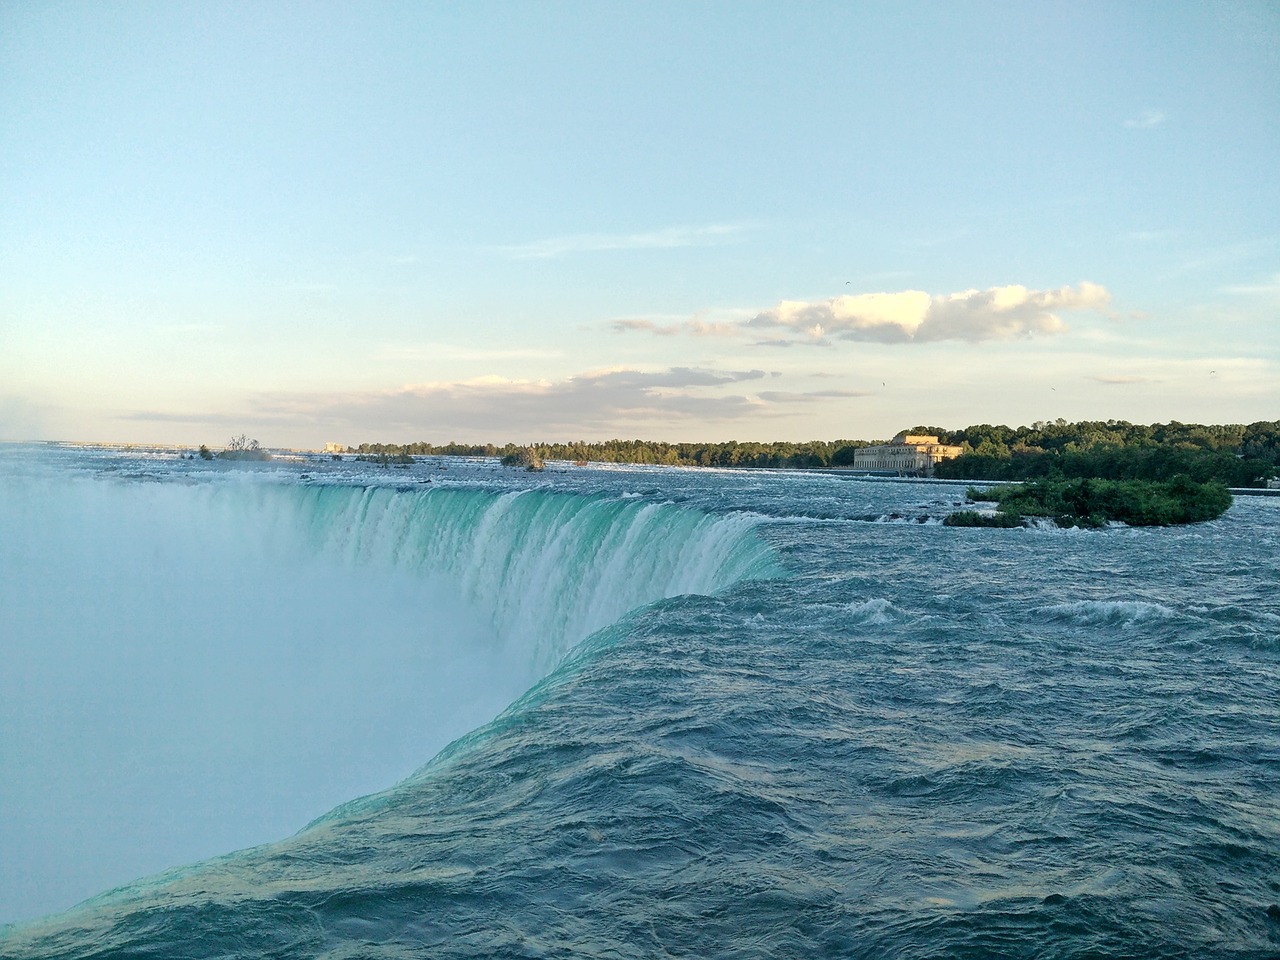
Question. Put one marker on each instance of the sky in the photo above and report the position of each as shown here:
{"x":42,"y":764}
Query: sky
{"x":518,"y":222}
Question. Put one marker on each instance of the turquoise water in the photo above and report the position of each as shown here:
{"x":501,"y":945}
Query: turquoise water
{"x":699,"y":714}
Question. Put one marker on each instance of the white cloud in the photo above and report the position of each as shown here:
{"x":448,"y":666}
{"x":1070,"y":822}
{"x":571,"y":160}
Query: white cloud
{"x":665,"y":239}
{"x":1000,"y":313}
{"x":1149,"y":119}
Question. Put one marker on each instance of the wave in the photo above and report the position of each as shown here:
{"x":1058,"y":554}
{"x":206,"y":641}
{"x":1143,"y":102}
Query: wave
{"x":1101,"y":612}
{"x":877,"y":611}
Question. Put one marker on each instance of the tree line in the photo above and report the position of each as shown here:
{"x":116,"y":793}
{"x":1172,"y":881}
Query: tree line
{"x":731,"y":453}
{"x":1238,"y":455}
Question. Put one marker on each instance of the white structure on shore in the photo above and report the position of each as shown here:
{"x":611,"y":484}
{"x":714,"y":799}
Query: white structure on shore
{"x":914,"y":454}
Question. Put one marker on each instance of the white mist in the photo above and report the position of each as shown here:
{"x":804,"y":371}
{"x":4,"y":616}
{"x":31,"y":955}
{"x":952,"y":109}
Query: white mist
{"x":182,"y":676}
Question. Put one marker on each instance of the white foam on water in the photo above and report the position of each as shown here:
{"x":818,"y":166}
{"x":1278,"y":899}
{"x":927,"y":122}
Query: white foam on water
{"x":1110,"y":611}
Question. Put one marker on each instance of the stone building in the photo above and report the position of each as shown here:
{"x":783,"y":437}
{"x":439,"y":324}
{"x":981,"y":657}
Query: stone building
{"x":908,"y":454}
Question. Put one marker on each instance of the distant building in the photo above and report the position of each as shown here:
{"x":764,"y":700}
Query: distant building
{"x":334,"y":448}
{"x":912,"y":454}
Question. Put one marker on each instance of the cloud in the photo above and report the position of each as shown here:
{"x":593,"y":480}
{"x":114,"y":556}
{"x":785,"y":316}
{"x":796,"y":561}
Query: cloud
{"x":1000,"y":313}
{"x":695,"y":327}
{"x":1149,"y":119}
{"x":1150,"y":236}
{"x":1121,"y":381}
{"x":780,"y":396}
{"x":665,"y":239}
{"x":185,"y":329}
{"x":648,"y":326}
{"x":1266,"y":288}
{"x":783,"y":343}
{"x":602,"y":402}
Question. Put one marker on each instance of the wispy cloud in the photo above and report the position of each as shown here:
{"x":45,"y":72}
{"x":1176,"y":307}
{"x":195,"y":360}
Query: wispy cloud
{"x":664,"y":239}
{"x":1121,"y":381}
{"x":185,"y":329}
{"x":1260,"y":249}
{"x":781,"y":396}
{"x":447,"y":351}
{"x":938,"y":239}
{"x":1150,"y":236}
{"x":1265,"y":288}
{"x":782,"y":343}
{"x":694,"y":327}
{"x":1149,"y":119}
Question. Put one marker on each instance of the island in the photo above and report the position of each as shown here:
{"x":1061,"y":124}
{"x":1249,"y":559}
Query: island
{"x":1095,"y":502}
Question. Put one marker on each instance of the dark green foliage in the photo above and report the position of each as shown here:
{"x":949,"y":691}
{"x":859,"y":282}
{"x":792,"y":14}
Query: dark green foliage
{"x":385,"y":459}
{"x":1233,"y":454}
{"x":732,"y":453}
{"x":971,"y":518}
{"x":1091,"y":502}
{"x":243,"y":448}
{"x":526,"y":457}
{"x":980,"y":496}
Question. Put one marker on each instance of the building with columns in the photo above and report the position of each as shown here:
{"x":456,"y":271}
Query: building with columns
{"x":908,"y":454}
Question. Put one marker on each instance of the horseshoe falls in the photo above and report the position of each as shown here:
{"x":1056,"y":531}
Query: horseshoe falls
{"x":309,"y":708}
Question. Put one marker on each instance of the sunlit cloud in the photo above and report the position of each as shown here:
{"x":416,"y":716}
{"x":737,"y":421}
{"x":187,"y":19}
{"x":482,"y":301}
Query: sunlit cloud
{"x":1000,"y":313}
{"x":1149,"y":119}
{"x":665,"y":239}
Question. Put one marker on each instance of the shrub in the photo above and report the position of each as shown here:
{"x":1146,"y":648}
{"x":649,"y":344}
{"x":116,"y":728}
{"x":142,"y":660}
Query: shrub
{"x":1092,"y":502}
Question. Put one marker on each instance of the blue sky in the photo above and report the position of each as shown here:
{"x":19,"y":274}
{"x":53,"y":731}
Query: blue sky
{"x":315,"y":222}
